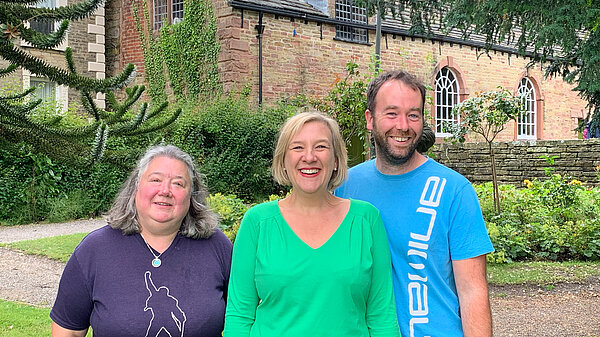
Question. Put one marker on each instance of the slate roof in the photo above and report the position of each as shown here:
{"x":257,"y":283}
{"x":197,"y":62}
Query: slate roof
{"x":396,"y":24}
{"x":289,"y":5}
{"x":389,"y":24}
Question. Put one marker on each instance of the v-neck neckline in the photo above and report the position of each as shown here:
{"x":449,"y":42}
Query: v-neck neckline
{"x":302,"y":242}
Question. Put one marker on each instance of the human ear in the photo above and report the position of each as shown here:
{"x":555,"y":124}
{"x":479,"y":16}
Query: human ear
{"x":369,"y":117}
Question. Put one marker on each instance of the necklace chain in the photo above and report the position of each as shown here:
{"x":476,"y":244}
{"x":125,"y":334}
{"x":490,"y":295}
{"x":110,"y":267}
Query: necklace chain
{"x":156,"y":262}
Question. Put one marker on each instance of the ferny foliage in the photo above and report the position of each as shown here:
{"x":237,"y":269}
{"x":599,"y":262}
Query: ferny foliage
{"x":85,"y":143}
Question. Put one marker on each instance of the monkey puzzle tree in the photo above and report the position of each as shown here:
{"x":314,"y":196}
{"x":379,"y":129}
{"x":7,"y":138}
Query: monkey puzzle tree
{"x":50,"y":137}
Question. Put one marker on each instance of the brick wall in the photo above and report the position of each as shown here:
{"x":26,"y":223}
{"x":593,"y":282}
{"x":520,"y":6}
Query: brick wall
{"x":310,"y":60}
{"x":520,"y":160}
{"x":128,"y":46}
{"x":305,"y":63}
{"x":113,"y":33}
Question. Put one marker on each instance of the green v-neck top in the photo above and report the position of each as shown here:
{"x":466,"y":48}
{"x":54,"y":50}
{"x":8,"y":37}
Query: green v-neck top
{"x":280,"y":286}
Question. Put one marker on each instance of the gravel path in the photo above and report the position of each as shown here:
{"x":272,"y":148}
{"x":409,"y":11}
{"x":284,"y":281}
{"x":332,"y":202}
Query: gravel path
{"x":34,"y":279}
{"x":27,"y":232}
{"x":567,"y":310}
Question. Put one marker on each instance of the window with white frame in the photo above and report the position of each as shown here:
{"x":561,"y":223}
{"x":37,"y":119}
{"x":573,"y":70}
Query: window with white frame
{"x":45,"y":89}
{"x":446,"y":97}
{"x":166,"y":12}
{"x":345,"y":10}
{"x":527,"y":120}
{"x":44,"y":26}
{"x":49,"y":91}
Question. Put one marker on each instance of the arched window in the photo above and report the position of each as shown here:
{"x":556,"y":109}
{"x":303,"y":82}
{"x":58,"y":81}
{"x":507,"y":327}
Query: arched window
{"x":446,"y":97}
{"x":527,"y":120}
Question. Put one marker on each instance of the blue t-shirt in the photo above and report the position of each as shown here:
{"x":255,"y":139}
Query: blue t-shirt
{"x":432,"y":216}
{"x":110,"y":284}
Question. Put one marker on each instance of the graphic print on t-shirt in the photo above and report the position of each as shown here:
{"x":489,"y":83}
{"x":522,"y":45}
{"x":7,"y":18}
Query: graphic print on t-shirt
{"x":167,"y":316}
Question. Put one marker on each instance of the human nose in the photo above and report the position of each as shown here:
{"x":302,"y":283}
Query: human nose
{"x":309,"y":155}
{"x":165,"y":188}
{"x":402,"y":123}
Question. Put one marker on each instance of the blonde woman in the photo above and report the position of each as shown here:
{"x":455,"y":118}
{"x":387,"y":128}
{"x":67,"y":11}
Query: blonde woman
{"x":311,"y":264}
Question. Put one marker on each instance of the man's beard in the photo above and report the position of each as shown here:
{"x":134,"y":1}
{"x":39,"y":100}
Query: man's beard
{"x":384,"y":151}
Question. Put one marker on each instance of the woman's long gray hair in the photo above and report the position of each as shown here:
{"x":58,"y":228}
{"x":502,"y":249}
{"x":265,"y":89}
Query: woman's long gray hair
{"x":200,"y":222}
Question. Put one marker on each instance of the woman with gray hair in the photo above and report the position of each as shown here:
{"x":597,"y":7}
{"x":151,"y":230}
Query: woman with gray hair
{"x":160,"y":266}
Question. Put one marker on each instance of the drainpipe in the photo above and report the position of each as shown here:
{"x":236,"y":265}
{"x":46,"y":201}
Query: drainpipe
{"x":260,"y":28}
{"x":378,"y":38}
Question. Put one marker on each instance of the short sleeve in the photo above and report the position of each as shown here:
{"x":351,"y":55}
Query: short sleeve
{"x":73,"y":305}
{"x":468,"y":234}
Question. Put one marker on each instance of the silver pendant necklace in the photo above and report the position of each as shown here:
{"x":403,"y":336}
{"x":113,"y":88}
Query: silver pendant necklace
{"x":156,"y":262}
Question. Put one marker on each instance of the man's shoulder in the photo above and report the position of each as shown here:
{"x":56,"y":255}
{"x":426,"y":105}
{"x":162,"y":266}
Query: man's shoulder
{"x":362,"y":169}
{"x":445,"y":171}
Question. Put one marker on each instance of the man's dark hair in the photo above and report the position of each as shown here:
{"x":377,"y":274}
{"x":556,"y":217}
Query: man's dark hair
{"x":398,"y":75}
{"x":428,"y":137}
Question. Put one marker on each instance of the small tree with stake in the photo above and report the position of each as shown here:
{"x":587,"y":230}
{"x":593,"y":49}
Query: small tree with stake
{"x":486,"y":114}
{"x":16,"y":122}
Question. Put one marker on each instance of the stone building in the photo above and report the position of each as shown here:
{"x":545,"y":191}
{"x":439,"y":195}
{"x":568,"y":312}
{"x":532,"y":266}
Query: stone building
{"x":87,"y":40}
{"x":285,"y":47}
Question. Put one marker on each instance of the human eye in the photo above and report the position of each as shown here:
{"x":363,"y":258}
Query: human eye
{"x":414,"y":116}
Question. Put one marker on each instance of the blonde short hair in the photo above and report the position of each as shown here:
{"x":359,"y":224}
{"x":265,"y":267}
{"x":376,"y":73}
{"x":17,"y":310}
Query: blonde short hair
{"x":290,"y":128}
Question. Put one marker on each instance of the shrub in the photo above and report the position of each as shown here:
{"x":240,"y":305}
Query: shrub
{"x":556,"y":219}
{"x":36,"y":188}
{"x":73,"y":205}
{"x":28,"y":180}
{"x":233,"y":144}
{"x":231,"y":211}
{"x":230,"y":208}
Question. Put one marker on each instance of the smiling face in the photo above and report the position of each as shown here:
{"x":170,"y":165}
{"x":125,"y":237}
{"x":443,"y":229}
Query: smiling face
{"x":397,"y":125}
{"x":309,"y":158}
{"x":163,"y":196}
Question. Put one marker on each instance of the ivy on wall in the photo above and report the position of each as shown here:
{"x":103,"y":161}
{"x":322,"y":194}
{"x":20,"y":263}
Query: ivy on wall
{"x":183,"y":56}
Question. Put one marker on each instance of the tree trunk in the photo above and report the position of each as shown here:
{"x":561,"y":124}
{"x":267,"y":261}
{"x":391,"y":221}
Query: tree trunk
{"x":495,"y":181}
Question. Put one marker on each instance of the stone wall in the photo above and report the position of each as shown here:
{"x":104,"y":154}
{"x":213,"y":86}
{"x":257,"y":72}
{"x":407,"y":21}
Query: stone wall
{"x":520,"y":160}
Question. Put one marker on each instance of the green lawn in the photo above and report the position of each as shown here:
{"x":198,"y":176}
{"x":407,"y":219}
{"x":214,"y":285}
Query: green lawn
{"x":57,"y":247}
{"x":542,"y":273}
{"x":21,"y":320}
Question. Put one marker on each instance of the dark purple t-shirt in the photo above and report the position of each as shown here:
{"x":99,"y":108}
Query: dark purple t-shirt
{"x":110,"y":284}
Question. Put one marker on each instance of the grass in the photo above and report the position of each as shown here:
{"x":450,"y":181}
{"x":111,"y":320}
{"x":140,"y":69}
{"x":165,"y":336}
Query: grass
{"x":57,"y":247}
{"x":21,"y":320}
{"x":542,"y":273}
